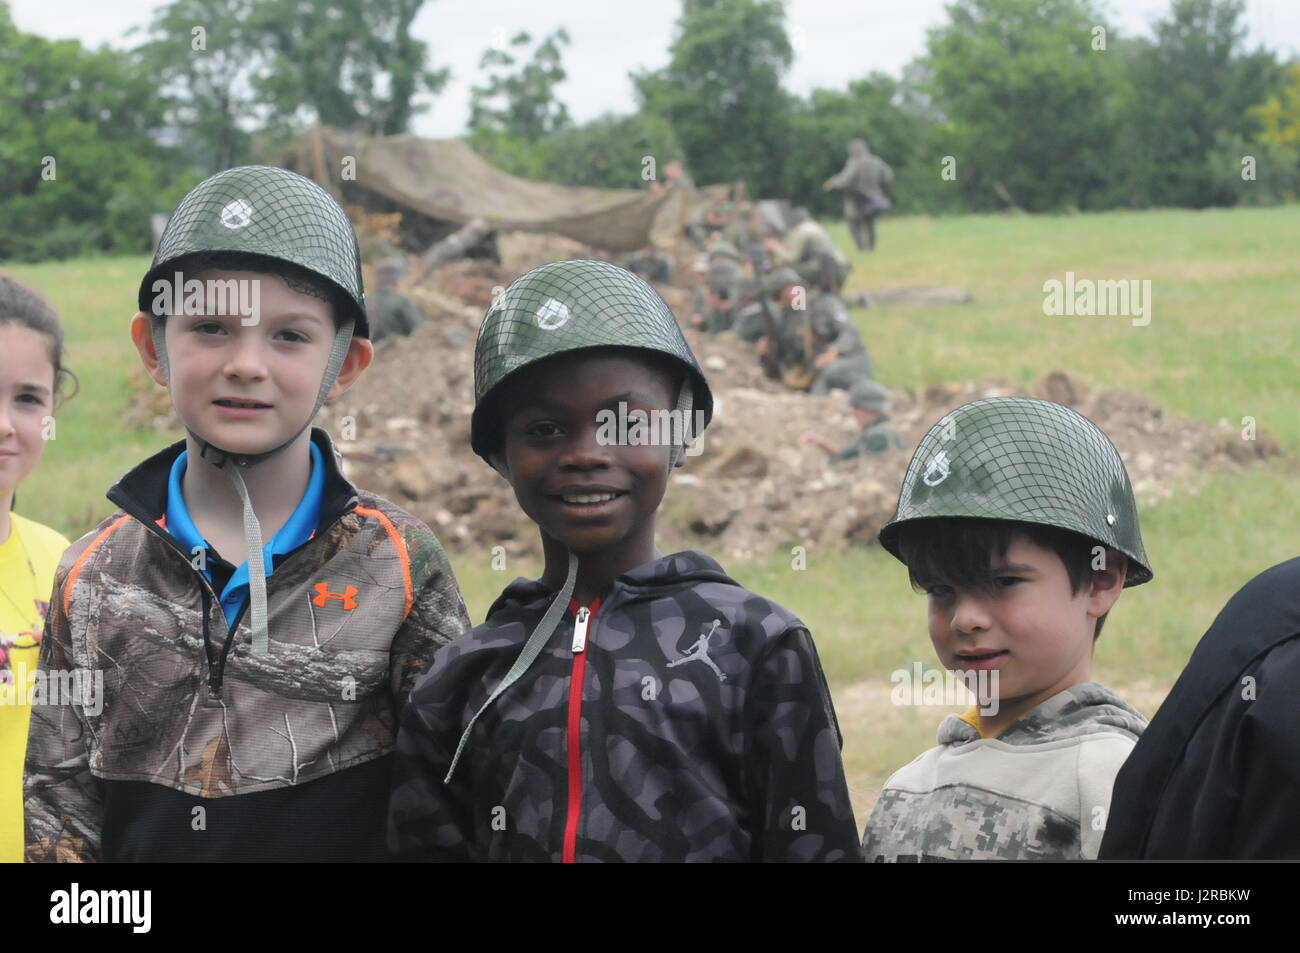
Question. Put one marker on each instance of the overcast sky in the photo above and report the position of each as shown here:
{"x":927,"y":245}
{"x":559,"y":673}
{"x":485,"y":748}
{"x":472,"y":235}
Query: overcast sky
{"x":835,"y":41}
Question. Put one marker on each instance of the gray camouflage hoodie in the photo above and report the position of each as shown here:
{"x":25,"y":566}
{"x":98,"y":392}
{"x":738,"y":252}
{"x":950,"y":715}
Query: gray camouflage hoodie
{"x":1039,"y":791}
{"x":680,"y":717}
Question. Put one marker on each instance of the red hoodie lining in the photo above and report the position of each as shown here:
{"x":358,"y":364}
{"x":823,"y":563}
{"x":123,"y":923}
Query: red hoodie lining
{"x":574,"y":737}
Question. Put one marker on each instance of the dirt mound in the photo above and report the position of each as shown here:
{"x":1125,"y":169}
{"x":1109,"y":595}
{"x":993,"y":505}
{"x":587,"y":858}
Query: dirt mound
{"x":404,"y":433}
{"x":753,"y":488}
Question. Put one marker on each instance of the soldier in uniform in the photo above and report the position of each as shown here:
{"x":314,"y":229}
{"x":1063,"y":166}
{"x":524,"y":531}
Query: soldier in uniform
{"x":784,"y":288}
{"x":863,"y":180}
{"x":811,"y":252}
{"x":390,"y":310}
{"x":651,"y":264}
{"x":726,"y":276}
{"x":838,"y":356}
{"x":870,"y":403}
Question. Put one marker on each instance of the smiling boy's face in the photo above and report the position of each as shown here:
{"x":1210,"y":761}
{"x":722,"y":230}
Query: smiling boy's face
{"x":1029,"y":625}
{"x":248,"y":388}
{"x":593,"y":497}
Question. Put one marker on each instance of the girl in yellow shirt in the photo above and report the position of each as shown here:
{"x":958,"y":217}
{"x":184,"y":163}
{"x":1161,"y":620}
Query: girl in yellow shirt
{"x":32,"y":376}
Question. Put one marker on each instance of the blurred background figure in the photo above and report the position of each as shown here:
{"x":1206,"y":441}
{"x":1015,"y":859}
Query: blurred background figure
{"x":863,"y":180}
{"x":391,"y":311}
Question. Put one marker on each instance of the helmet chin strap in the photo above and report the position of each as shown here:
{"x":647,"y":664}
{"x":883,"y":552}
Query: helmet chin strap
{"x":550,"y":620}
{"x":222,"y":460}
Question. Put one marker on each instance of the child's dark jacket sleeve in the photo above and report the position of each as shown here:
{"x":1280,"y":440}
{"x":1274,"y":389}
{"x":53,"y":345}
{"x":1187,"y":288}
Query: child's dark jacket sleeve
{"x":62,"y":803}
{"x":428,"y":819}
{"x":795,"y":770}
{"x":437,"y":615}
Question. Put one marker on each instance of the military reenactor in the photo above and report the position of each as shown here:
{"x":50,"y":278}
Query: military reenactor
{"x":811,"y":252}
{"x":726,"y":275}
{"x":651,"y":264}
{"x":863,"y":180}
{"x":871,"y":410}
{"x":786,"y":338}
{"x":390,"y":310}
{"x":839,"y":358}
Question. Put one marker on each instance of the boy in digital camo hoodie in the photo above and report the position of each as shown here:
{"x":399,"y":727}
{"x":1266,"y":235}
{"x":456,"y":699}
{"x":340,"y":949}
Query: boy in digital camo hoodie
{"x":658,"y":711}
{"x":1017,"y":518}
{"x":210,"y":696}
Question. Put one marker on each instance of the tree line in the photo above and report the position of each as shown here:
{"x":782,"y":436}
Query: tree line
{"x":1037,"y":105}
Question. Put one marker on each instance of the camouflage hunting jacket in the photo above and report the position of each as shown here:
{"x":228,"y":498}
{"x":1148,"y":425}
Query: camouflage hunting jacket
{"x":189,"y":755}
{"x":693,"y":723}
{"x":1041,"y":790}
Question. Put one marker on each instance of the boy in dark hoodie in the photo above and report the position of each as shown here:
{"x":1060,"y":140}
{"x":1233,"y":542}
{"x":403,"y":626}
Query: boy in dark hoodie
{"x":658,"y":711}
{"x":1017,"y":518}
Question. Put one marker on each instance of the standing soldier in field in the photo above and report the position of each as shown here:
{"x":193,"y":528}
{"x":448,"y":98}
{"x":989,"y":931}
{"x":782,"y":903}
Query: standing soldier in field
{"x":390,"y":310}
{"x":863,"y":180}
{"x":871,"y":409}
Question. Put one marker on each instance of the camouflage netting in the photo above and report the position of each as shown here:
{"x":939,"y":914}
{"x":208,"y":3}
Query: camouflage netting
{"x":753,"y":491}
{"x":446,"y":181}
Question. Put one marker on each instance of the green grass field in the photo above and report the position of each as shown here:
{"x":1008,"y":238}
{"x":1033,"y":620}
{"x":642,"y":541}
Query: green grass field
{"x":1223,"y":342}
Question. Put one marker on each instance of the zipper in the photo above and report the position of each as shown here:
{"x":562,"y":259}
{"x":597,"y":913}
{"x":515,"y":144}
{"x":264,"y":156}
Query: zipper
{"x":580,"y":630}
{"x":573,"y":808}
{"x":217,"y":669}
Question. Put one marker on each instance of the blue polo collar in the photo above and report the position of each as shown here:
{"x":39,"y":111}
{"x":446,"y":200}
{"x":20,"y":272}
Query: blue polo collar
{"x":296,"y":531}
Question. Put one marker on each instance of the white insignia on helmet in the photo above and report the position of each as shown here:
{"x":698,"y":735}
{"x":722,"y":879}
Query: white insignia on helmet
{"x":237,"y":214}
{"x":937,"y":471}
{"x":552,"y":314}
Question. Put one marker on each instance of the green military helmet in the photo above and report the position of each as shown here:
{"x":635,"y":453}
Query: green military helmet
{"x":266,"y":212}
{"x":1025,"y":460}
{"x":869,"y":395}
{"x":724,"y":248}
{"x":568,"y":306}
{"x":775,"y":280}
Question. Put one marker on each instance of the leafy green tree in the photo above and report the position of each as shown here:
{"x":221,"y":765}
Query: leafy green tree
{"x":1192,"y":85}
{"x":721,"y":91}
{"x":608,"y":152}
{"x":349,"y":63}
{"x":204,"y":54}
{"x":1028,"y":99}
{"x":80,"y":166}
{"x":521,"y":104}
{"x":1279,"y":115}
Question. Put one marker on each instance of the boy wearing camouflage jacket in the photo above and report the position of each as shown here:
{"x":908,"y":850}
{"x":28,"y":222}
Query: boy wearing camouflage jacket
{"x":1017,"y":518}
{"x":624,"y":706}
{"x":203,"y":707}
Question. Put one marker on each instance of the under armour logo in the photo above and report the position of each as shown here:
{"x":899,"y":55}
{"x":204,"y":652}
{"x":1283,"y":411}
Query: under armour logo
{"x":237,"y":214}
{"x":937,"y":471}
{"x":323,"y":593}
{"x":700,"y":652}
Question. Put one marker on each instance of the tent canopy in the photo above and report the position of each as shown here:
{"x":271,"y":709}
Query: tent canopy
{"x":446,"y":180}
